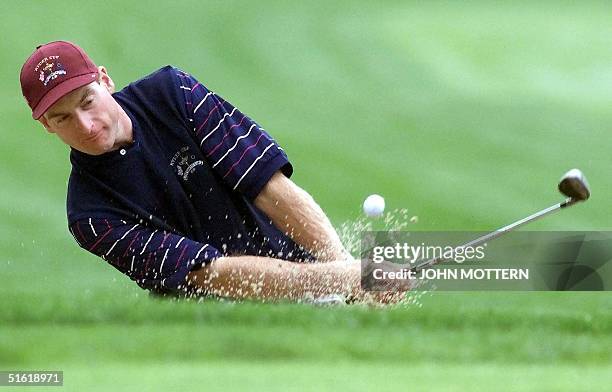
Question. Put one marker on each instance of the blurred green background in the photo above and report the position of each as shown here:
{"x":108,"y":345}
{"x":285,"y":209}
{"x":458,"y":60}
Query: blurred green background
{"x":464,"y":113}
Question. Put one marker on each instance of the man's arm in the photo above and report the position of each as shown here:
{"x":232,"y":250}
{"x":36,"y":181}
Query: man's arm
{"x":249,"y":277}
{"x":263,"y":278}
{"x":161,"y":260}
{"x":157,"y":260}
{"x":295,"y":212}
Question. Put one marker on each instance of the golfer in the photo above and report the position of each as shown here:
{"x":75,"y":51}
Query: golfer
{"x":178,"y":189}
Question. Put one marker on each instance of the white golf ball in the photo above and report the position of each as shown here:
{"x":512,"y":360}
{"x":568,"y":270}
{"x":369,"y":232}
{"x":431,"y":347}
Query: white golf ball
{"x":373,"y":206}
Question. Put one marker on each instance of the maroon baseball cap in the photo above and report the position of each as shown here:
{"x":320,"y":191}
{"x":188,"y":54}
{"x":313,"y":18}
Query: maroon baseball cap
{"x":52,"y":71}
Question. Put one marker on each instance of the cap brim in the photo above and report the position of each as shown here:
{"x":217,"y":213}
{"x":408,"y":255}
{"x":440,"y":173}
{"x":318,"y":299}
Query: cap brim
{"x":56,"y":93}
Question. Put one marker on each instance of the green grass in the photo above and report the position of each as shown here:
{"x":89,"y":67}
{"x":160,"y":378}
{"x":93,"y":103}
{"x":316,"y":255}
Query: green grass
{"x":559,"y":334}
{"x":465,"y":113}
{"x":309,"y":376}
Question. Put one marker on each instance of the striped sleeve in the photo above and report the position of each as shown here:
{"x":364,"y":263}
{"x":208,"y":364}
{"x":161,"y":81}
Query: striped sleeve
{"x":156,"y":260}
{"x":242,"y":153}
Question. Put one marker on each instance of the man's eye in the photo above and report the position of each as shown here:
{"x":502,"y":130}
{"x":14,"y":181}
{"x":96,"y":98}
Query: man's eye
{"x":88,"y":102}
{"x":60,"y":120}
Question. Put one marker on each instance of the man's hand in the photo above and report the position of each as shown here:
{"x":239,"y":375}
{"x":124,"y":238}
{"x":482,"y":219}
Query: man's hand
{"x":294,"y":211}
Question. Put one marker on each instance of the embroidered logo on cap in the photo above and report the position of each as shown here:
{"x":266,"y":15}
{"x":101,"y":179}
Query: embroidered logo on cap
{"x":49,"y":68}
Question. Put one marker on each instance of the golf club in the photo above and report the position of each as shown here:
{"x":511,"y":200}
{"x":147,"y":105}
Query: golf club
{"x":573,"y":184}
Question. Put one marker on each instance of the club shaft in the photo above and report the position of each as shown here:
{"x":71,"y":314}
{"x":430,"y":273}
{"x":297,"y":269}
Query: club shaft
{"x":501,"y":231}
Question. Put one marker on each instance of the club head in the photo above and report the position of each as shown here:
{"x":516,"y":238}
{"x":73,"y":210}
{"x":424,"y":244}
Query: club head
{"x":574,"y":184}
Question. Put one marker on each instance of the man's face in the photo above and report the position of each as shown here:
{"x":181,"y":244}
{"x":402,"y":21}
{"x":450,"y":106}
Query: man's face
{"x":87,"y":118}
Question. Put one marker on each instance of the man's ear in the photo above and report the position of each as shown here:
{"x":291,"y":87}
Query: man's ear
{"x":45,"y":124}
{"x":105,"y":80}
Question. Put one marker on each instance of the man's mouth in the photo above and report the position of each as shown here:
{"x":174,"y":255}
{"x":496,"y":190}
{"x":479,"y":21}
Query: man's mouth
{"x":93,"y":136}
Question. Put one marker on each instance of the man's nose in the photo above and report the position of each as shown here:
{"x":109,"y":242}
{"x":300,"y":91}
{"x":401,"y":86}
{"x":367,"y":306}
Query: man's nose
{"x":84,"y":121}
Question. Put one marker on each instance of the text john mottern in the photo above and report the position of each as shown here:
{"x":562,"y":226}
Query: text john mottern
{"x":409,"y":253}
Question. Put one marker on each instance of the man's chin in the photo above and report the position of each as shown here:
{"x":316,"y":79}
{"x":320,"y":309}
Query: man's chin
{"x":97,"y":150}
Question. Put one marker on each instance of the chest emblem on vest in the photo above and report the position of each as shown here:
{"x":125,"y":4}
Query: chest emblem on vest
{"x":185,"y":162}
